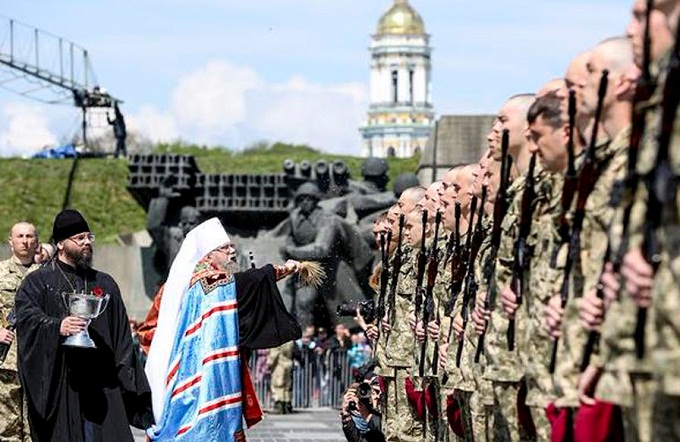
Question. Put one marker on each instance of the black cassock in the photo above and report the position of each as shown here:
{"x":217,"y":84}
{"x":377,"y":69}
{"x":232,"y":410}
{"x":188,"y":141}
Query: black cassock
{"x":263,"y":320}
{"x":74,"y":394}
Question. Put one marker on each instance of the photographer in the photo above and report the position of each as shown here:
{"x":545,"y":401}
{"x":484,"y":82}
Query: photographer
{"x":360,"y":420}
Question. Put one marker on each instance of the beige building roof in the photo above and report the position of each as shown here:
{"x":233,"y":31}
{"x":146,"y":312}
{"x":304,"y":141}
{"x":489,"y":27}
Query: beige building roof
{"x":455,"y":139}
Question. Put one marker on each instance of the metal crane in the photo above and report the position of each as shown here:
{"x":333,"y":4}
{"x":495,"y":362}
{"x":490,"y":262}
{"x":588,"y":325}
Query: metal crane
{"x":48,"y":68}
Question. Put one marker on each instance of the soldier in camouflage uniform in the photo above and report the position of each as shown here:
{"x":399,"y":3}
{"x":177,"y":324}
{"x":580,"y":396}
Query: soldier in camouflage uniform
{"x":399,"y":421}
{"x":280,"y":361}
{"x":503,"y":367}
{"x":652,"y":409}
{"x":610,"y":158}
{"x":23,"y":241}
{"x":549,"y":132}
{"x":456,"y":385}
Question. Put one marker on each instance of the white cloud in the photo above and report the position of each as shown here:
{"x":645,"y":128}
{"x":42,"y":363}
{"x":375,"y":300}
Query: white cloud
{"x":232,"y":105}
{"x":158,"y":126}
{"x":26,"y":130}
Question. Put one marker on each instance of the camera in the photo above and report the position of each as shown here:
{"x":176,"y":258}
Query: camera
{"x":364,"y":393}
{"x":366,"y":308}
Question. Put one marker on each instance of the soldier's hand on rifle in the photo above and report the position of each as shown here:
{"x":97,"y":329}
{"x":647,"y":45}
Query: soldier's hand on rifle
{"x":433,"y":330}
{"x":372,"y":332}
{"x":639,"y":277}
{"x":590,"y":310}
{"x":443,"y":355}
{"x":420,"y":331}
{"x":610,"y":284}
{"x":480,"y":315}
{"x":478,"y":320}
{"x":412,"y":321}
{"x":458,"y":329}
{"x":553,"y":316}
{"x":587,"y":383}
{"x":6,"y":336}
{"x":509,"y":302}
{"x":385,"y":324}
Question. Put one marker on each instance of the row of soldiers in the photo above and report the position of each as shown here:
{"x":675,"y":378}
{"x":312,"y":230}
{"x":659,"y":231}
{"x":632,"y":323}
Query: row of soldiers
{"x":535,"y":294}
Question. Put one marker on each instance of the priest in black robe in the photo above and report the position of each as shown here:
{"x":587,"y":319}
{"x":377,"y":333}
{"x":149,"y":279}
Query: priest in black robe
{"x":78,"y":394}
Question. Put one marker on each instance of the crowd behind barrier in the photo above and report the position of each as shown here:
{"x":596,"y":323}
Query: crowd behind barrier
{"x":322,"y":370}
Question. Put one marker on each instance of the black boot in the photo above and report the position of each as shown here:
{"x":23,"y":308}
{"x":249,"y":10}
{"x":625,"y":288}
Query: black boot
{"x":279,"y":408}
{"x":288,"y":407}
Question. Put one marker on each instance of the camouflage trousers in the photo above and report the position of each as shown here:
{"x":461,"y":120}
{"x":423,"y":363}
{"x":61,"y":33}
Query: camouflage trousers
{"x":13,"y":409}
{"x":400,"y":423}
{"x":637,"y":420}
{"x":477,"y":417}
{"x":506,"y":422}
{"x":666,"y":424}
{"x":282,"y":382}
{"x":541,"y":423}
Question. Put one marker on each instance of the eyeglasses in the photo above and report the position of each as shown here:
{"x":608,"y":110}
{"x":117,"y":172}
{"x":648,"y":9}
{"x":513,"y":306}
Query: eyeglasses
{"x":82,"y":237}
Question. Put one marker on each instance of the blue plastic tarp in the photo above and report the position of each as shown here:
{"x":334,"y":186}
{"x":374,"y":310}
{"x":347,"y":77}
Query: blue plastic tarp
{"x":66,"y":151}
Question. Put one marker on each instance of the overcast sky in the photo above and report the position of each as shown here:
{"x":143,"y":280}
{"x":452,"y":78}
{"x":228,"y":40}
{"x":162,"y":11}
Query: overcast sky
{"x":233,"y":72}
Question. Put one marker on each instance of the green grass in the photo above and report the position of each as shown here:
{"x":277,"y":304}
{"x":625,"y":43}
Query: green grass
{"x":34,"y":190}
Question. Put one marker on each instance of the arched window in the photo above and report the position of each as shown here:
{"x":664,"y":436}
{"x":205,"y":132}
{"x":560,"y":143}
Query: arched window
{"x":395,"y":86}
{"x":391,"y":152}
{"x":417,"y":150}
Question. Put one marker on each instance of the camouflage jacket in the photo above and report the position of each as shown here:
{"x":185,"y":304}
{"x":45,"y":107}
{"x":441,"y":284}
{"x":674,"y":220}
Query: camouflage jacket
{"x":10,"y":280}
{"x":501,"y":364}
{"x":611,"y":160}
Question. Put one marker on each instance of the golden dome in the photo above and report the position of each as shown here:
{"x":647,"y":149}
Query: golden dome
{"x":401,"y":19}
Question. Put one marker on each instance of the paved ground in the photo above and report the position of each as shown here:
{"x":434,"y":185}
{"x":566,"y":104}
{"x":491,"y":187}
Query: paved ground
{"x":322,"y":425}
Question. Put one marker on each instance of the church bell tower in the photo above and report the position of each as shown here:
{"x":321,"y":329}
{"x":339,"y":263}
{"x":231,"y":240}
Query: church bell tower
{"x":400,"y":113}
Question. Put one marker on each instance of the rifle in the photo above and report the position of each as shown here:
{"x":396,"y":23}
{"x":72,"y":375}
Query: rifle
{"x":420,"y":271}
{"x":521,"y":261}
{"x":570,"y":181}
{"x":384,"y":273}
{"x":644,"y":90}
{"x":11,"y":325}
{"x":470,"y":283}
{"x":586,"y":181}
{"x":456,"y":265}
{"x":428,"y":309}
{"x":499,"y":210}
{"x":660,"y":183}
{"x":431,"y":275}
{"x":396,"y":267}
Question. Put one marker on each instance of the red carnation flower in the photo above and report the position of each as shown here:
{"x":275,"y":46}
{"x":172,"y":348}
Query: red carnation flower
{"x":98,"y":291}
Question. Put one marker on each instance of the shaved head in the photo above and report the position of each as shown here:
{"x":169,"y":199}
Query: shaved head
{"x":616,"y":53}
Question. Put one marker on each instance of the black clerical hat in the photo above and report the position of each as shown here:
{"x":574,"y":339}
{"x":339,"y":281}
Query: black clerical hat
{"x":67,"y":223}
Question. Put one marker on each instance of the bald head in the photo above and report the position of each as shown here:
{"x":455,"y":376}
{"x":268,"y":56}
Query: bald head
{"x":23,"y":240}
{"x":556,"y":85}
{"x":616,"y":54}
{"x":522,"y":102}
{"x":409,"y":198}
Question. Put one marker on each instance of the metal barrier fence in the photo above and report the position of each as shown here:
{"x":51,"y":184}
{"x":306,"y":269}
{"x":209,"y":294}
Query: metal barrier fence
{"x":319,"y":380}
